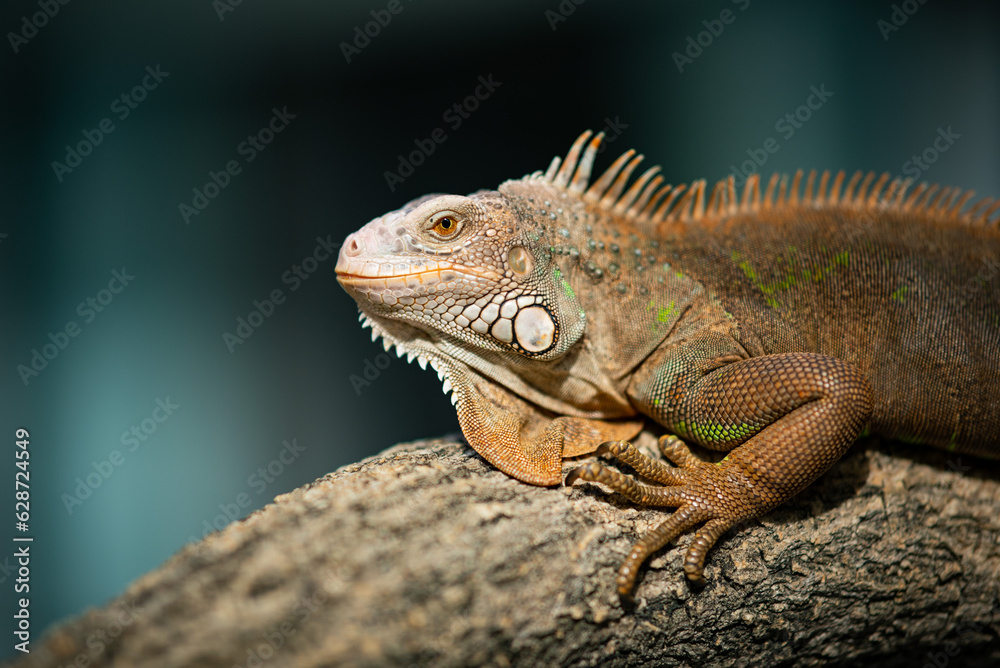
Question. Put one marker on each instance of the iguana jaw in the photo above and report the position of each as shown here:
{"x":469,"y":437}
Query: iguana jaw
{"x":390,"y":279}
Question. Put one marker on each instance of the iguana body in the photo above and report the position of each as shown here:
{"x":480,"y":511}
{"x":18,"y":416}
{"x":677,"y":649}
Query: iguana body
{"x":777,"y":327}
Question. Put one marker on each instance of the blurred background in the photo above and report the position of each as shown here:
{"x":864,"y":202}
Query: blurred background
{"x":128,"y":252}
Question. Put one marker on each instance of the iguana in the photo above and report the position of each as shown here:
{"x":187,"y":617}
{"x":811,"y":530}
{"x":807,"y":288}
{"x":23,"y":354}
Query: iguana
{"x":779,"y":327}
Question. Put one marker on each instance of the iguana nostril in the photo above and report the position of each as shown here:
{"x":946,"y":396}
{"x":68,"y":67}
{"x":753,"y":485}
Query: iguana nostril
{"x":352,"y":247}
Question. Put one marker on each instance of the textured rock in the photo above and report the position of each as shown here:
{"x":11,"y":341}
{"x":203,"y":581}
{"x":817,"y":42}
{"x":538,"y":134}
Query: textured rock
{"x":425,"y":554}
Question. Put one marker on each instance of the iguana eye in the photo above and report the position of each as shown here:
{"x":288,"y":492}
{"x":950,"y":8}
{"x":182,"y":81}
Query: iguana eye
{"x":445,"y":224}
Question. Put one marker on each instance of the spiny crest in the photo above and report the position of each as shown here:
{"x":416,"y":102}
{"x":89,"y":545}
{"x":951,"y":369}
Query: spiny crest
{"x":388,"y":343}
{"x":646,"y":200}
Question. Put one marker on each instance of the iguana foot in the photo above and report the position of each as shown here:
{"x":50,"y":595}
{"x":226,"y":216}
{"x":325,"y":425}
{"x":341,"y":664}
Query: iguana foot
{"x":702,"y":493}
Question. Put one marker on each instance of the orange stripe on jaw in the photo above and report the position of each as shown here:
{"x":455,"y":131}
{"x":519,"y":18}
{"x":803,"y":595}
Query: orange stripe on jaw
{"x":353,"y":280}
{"x":357,"y":279}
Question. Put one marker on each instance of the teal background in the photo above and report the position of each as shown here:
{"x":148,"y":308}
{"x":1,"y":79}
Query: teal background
{"x":161,"y":337}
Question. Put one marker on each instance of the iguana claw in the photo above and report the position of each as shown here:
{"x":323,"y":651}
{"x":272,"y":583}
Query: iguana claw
{"x":684,"y":488}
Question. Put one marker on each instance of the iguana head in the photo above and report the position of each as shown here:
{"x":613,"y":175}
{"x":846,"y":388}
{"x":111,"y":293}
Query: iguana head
{"x":475,"y":270}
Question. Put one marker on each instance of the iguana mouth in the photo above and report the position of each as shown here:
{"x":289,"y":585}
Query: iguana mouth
{"x":368,"y":276}
{"x":411,"y":280}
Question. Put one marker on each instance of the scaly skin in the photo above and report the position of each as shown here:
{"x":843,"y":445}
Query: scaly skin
{"x":776,"y":328}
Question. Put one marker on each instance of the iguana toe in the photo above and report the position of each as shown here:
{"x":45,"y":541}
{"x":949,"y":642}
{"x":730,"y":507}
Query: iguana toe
{"x":703,"y":493}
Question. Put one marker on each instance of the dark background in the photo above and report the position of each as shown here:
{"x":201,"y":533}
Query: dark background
{"x":161,"y":337}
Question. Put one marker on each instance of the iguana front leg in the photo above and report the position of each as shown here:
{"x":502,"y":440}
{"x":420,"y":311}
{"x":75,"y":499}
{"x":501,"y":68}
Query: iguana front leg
{"x":784,"y":418}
